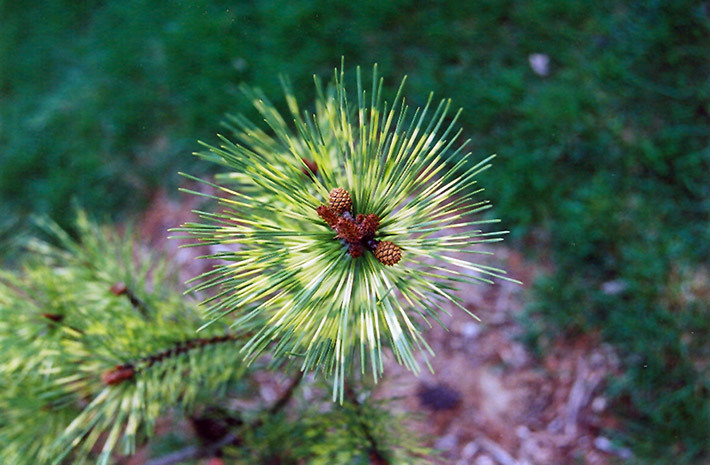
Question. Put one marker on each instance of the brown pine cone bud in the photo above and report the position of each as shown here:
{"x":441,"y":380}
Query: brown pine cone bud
{"x":339,"y":200}
{"x":310,"y":169}
{"x":356,"y":249}
{"x":56,"y":317}
{"x":327,"y":215}
{"x":118,"y":374}
{"x":348,"y":230}
{"x":369,"y":224}
{"x":388,"y":253}
{"x":119,"y":288}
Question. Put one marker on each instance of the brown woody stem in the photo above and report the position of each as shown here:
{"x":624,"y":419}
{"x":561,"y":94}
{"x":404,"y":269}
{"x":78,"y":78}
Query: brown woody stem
{"x":121,"y":289}
{"x":286,"y":396}
{"x":195,"y":452}
{"x":376,"y":455}
{"x":121,"y":373}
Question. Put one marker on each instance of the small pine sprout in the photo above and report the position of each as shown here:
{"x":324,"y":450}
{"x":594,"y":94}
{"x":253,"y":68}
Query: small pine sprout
{"x":343,"y":234}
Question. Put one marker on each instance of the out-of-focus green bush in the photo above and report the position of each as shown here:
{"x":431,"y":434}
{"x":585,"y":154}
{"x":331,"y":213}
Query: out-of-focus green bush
{"x":608,"y":153}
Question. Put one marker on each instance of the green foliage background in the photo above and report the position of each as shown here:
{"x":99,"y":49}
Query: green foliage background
{"x":603,"y":164}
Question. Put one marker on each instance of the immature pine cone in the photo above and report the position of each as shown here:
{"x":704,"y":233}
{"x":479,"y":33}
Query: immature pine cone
{"x":356,"y":249}
{"x":340,"y":201}
{"x":328,"y":215}
{"x":388,"y":253}
{"x":348,"y":230}
{"x":368,"y":224}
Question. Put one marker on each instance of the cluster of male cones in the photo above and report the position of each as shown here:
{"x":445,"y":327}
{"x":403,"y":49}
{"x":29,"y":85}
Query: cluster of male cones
{"x":357,"y":232}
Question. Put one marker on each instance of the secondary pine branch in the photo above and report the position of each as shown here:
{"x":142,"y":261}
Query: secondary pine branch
{"x":209,"y":450}
{"x":376,"y":455}
{"x":121,"y":373}
{"x":120,"y":288}
{"x":286,"y":396}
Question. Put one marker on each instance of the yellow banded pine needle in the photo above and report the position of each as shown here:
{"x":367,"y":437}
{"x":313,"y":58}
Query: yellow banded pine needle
{"x":341,"y":233}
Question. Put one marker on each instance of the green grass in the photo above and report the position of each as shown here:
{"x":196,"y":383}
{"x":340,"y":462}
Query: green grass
{"x":608,"y":155}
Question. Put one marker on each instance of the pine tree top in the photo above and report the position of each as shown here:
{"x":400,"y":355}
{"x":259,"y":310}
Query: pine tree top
{"x":317,"y":298}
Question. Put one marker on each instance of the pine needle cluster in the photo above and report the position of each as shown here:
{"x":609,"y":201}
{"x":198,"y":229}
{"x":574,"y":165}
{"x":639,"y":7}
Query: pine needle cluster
{"x":96,"y":345}
{"x":342,"y":234}
{"x":308,"y":294}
